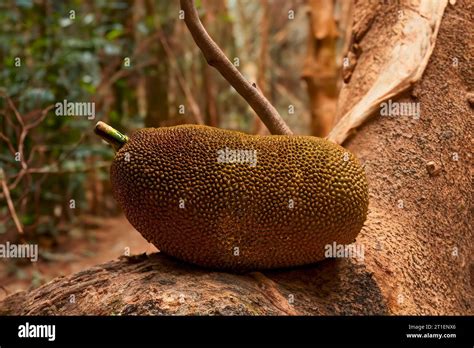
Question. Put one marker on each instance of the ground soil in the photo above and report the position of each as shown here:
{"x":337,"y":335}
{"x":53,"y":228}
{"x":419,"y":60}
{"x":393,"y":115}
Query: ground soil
{"x":107,"y":242}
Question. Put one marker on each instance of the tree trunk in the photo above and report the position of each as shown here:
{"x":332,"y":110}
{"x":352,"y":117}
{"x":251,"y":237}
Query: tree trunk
{"x":156,"y":285}
{"x":137,"y":15}
{"x":417,"y":239}
{"x":418,"y":235}
{"x":258,"y":126}
{"x":320,"y":70}
{"x":157,"y":80}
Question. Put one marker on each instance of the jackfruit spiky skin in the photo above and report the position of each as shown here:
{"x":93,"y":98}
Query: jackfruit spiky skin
{"x":303,"y":193}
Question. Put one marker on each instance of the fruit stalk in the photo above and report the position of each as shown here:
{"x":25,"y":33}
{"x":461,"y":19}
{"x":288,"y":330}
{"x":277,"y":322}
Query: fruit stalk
{"x":110,"y":135}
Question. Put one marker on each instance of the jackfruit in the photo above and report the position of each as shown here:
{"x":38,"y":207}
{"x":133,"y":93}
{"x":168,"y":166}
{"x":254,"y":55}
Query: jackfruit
{"x":227,"y":200}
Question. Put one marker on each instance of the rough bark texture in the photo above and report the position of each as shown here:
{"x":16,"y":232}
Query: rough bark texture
{"x":418,"y":255}
{"x":399,"y":56}
{"x":156,"y":284}
{"x":421,"y":253}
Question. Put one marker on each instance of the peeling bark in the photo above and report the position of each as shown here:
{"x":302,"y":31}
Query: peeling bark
{"x":411,"y":43}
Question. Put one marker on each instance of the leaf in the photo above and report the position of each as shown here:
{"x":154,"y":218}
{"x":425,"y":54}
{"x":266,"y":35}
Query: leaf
{"x":113,"y":34}
{"x":27,"y":219}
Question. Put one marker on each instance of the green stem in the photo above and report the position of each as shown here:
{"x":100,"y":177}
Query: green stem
{"x":110,"y":135}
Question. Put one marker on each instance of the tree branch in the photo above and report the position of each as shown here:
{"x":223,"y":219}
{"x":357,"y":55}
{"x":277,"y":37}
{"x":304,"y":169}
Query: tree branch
{"x":216,"y":58}
{"x":11,"y":207}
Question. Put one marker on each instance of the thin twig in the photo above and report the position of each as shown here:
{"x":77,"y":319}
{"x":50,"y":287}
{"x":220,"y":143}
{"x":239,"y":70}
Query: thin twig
{"x":14,"y":109}
{"x":40,"y":119}
{"x":11,"y":207}
{"x":24,"y":129}
{"x":18,"y":178}
{"x":216,"y":58}
{"x":9,"y":143}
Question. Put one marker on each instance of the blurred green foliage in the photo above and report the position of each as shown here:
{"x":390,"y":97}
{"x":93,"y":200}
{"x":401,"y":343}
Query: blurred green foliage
{"x":51,"y":51}
{"x":74,"y":50}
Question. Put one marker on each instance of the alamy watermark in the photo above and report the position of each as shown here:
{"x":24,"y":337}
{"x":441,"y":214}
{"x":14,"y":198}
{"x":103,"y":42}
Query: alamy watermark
{"x":237,"y":156}
{"x":28,"y":330}
{"x":21,"y":251}
{"x":67,"y":108}
{"x":391,"y":108}
{"x":336,"y":250}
